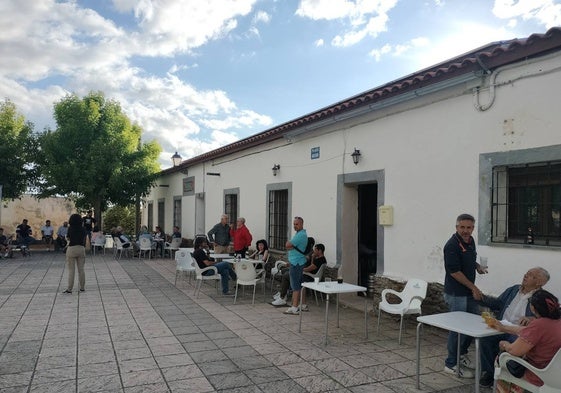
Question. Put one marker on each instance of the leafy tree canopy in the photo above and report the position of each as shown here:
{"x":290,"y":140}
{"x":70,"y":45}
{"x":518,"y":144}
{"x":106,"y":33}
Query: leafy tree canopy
{"x":119,"y":215}
{"x":95,"y":154}
{"x":17,"y":150}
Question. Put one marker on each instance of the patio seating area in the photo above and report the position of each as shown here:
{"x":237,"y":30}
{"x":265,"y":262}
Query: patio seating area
{"x":132,"y":330}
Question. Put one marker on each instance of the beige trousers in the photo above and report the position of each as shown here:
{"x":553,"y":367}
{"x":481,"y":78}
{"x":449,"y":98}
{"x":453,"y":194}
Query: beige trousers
{"x":221,"y":249}
{"x":76,"y":256}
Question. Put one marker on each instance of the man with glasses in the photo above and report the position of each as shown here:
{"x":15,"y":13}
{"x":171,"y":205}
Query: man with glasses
{"x":511,"y":306}
{"x":297,"y":261}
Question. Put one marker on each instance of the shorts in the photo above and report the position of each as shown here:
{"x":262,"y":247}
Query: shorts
{"x":296,"y":272}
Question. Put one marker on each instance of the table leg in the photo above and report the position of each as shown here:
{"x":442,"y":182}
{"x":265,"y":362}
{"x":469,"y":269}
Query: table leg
{"x":337,"y":304}
{"x":365,"y":316}
{"x":300,"y":308}
{"x":418,"y":353}
{"x":326,"y":317}
{"x":477,"y":365}
{"x":458,"y":356}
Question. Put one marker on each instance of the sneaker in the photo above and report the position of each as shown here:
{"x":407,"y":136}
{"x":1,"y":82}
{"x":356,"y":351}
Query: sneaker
{"x":305,"y":307}
{"x":276,"y":295}
{"x":486,"y":380}
{"x":463,"y":372}
{"x":292,"y":311}
{"x":465,"y":362}
{"x":280,"y":301}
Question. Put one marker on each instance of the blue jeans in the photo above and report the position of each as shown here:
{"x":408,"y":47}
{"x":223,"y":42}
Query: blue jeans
{"x":295,"y":272}
{"x":225,"y":270}
{"x":489,"y":349}
{"x":459,"y":303}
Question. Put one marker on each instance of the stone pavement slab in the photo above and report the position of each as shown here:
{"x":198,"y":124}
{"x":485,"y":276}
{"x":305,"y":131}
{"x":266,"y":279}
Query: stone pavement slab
{"x":132,"y":330}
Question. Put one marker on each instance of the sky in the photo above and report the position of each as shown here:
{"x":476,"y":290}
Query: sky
{"x":196,"y":75}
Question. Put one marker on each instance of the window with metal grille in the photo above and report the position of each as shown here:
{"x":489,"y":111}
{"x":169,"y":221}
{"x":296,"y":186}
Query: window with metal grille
{"x":150,"y":216}
{"x":278,"y":219}
{"x":162,"y":214}
{"x":231,"y":206}
{"x":526,"y":204}
{"x":177,"y":212}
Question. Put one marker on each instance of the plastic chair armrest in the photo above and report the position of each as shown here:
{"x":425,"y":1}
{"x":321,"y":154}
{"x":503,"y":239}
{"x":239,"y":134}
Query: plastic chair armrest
{"x":210,"y":268}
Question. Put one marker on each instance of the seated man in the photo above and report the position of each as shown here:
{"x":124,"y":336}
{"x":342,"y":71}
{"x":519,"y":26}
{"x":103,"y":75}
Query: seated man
{"x":315,"y":260}
{"x":512,"y":306}
{"x":60,"y":241}
{"x":203,"y":260}
{"x":24,"y":233}
{"x":47,"y":234}
{"x":4,"y":246}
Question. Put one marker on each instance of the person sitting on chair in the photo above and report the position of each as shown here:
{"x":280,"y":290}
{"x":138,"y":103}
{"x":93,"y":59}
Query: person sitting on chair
{"x":60,"y":241}
{"x":538,"y":342}
{"x":203,"y":260}
{"x":47,"y":234}
{"x":24,"y":233}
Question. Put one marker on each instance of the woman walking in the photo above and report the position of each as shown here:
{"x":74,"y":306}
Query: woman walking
{"x":76,"y":252}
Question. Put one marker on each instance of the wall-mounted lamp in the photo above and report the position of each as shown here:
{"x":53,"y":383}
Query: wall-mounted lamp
{"x":213,"y":174}
{"x":176,"y":159}
{"x":275,"y":169}
{"x":163,"y":185}
{"x":356,"y":156}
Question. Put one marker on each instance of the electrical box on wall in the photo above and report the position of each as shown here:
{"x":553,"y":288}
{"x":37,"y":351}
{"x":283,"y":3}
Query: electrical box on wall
{"x":385,"y":215}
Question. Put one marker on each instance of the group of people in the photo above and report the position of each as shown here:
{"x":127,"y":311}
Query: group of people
{"x":224,"y":233}
{"x":528,"y":316}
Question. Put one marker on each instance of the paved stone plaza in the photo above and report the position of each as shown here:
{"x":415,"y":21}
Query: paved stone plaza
{"x":132,"y":330}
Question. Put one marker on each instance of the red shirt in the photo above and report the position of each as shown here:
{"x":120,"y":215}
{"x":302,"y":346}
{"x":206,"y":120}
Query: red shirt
{"x":545,"y":336}
{"x":242,"y":238}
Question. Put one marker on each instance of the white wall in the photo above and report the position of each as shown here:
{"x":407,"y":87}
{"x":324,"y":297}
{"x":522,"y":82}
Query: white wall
{"x":429,"y":150}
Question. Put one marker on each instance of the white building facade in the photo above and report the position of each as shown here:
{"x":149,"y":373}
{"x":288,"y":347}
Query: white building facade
{"x":477,"y":134}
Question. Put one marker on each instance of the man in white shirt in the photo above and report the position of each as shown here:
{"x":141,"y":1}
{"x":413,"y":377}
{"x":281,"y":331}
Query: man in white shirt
{"x":512,"y":306}
{"x":47,"y":234}
{"x":60,"y":242}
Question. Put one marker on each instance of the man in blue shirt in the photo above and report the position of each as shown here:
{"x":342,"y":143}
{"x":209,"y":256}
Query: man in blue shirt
{"x":297,"y":260}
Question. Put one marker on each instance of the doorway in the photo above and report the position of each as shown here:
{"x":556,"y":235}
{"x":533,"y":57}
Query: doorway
{"x":367,"y":231}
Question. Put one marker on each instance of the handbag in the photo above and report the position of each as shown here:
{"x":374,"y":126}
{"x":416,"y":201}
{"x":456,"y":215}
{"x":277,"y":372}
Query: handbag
{"x":516,"y":369}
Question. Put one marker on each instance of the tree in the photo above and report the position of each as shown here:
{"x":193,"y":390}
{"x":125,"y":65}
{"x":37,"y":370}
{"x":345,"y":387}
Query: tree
{"x":95,"y":155}
{"x":17,"y":148}
{"x":120,"y":215}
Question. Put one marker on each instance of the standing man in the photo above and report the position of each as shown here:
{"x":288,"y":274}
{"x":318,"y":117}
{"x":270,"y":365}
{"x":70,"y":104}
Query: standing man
{"x":242,"y":237}
{"x":89,"y":222}
{"x":219,"y":235}
{"x":460,"y":292}
{"x":297,"y":261}
{"x":60,"y":242}
{"x":47,"y":234}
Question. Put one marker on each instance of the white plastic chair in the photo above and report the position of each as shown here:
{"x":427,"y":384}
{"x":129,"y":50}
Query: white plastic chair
{"x":276,"y":272}
{"x":185,"y":263}
{"x":411,"y":297}
{"x":245,"y":270}
{"x":119,"y":248}
{"x":200,"y":277}
{"x":173,"y":246}
{"x":99,"y":242}
{"x":550,"y":375}
{"x":145,"y":244}
{"x":319,"y":274}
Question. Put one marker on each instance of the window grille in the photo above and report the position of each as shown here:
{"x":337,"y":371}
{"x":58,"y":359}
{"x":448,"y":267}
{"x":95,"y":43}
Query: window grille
{"x":278,"y":219}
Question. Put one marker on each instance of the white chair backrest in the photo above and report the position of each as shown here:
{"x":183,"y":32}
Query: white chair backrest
{"x":145,"y":243}
{"x":414,"y":287}
{"x":550,"y":374}
{"x":117,"y":243}
{"x":99,"y":241}
{"x":108,"y":241}
{"x":184,"y":260}
{"x":245,"y":271}
{"x":175,"y":243}
{"x":320,"y":271}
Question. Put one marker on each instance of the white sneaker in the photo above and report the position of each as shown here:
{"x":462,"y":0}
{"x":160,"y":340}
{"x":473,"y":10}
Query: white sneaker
{"x":276,"y":295}
{"x":305,"y":307}
{"x":465,"y":362}
{"x":292,"y":311}
{"x":280,"y":301}
{"x":463,"y":372}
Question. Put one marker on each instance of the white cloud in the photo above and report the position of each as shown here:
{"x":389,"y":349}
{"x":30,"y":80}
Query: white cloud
{"x":319,"y":42}
{"x":366,"y":18}
{"x":399,"y":49}
{"x":545,"y":12}
{"x":261,"y":17}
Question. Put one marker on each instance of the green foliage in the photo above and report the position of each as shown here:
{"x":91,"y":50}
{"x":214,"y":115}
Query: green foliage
{"x":119,"y":215}
{"x":95,"y":155}
{"x":17,"y":149}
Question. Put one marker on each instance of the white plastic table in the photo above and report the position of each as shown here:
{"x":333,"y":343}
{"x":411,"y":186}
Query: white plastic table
{"x":334,"y":288}
{"x":459,"y":322}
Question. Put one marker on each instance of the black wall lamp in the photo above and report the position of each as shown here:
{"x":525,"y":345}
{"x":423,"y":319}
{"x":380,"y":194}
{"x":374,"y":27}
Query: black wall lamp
{"x":275,"y":169}
{"x":176,"y":159}
{"x":356,"y":156}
